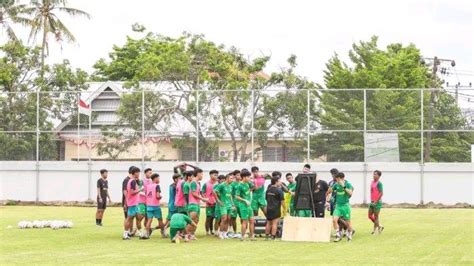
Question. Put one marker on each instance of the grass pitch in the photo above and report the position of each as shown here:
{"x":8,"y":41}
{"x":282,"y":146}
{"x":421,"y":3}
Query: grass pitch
{"x":420,"y":236}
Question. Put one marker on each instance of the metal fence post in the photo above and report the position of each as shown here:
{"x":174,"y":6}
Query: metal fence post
{"x":365,"y":147}
{"x":37,"y":167}
{"x":252,"y":129}
{"x":422,"y":151}
{"x":143,"y":129}
{"x":78,"y":125}
{"x":197,"y":126}
{"x":89,"y":162}
{"x":308,"y":121}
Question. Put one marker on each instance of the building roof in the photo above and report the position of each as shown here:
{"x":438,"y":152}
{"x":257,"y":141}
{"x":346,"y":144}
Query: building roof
{"x":104,"y":98}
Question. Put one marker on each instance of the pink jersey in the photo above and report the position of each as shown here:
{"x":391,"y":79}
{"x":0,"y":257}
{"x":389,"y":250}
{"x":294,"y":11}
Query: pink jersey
{"x":192,"y":198}
{"x":145,"y":181}
{"x":180,"y":201}
{"x":151,"y":199}
{"x":259,"y":181}
{"x":374,"y":191}
{"x":209,"y":193}
{"x":132,"y":199}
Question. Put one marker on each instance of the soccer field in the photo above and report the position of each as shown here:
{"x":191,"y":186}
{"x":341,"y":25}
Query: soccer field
{"x":443,"y":236}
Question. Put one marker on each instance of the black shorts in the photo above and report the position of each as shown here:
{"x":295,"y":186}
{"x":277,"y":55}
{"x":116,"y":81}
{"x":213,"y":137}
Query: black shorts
{"x":273,"y":214}
{"x":102,"y":205}
{"x":319,"y":210}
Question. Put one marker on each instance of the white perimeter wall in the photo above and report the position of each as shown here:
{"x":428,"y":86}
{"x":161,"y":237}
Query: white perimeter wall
{"x":446,"y":183}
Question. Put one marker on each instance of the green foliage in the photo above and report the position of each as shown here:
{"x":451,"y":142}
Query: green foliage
{"x":395,"y":67}
{"x":17,"y":146}
{"x":45,"y":19}
{"x":191,"y":63}
{"x":12,"y":13}
{"x":19,"y":80}
{"x":285,"y":114}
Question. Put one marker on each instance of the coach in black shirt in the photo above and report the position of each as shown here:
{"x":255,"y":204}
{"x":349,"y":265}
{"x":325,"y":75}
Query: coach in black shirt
{"x":319,"y":196}
{"x":275,"y":198}
{"x":102,"y":196}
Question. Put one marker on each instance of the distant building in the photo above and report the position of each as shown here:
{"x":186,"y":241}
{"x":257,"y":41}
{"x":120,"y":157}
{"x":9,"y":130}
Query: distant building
{"x":469,"y":114}
{"x":105,"y":100}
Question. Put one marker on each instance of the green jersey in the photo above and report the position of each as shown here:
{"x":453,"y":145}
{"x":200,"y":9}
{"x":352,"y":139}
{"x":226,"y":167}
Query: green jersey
{"x":204,"y":188}
{"x":224,"y":191}
{"x":235,"y":186}
{"x":243,"y":191}
{"x":193,"y":186}
{"x":186,"y":189}
{"x":179,"y":220}
{"x":342,"y":197}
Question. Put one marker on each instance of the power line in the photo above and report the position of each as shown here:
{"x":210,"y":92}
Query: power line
{"x":436,"y":63}
{"x":460,"y":74}
{"x":465,"y":70}
{"x":458,"y":86}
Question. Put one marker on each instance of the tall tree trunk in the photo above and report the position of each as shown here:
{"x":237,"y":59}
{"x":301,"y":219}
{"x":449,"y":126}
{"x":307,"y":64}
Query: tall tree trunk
{"x":43,"y":44}
{"x":235,"y":154}
{"x":243,"y":148}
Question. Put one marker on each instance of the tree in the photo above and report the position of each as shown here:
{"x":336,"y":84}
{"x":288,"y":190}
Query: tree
{"x":284,"y":116}
{"x":397,"y":66}
{"x":206,"y":78}
{"x":45,"y":20}
{"x":20,"y":79}
{"x":10,"y":12}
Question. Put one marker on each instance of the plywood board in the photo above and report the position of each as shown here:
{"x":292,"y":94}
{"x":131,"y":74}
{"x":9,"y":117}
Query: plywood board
{"x":306,"y":229}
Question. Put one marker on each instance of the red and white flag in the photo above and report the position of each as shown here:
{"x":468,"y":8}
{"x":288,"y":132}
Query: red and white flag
{"x":84,"y":108}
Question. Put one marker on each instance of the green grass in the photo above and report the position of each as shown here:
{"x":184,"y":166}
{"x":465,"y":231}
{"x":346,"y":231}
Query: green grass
{"x":422,"y":236}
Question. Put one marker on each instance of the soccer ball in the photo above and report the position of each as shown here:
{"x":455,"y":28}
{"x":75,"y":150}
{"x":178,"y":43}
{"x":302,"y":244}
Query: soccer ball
{"x":37,"y":224}
{"x":29,"y":224}
{"x":69,"y":224}
{"x":43,"y":224}
{"x":55,"y":225}
{"x":22,"y":224}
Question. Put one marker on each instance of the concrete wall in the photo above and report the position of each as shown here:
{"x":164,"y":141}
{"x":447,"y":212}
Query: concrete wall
{"x":446,"y":183}
{"x":163,"y":151}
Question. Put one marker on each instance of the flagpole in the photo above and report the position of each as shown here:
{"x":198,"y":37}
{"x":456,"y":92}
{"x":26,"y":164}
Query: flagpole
{"x":78,"y":125}
{"x":90,"y":145}
{"x":90,"y":136}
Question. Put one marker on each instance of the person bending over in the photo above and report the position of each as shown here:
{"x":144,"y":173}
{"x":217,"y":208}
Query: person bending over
{"x":180,"y":227}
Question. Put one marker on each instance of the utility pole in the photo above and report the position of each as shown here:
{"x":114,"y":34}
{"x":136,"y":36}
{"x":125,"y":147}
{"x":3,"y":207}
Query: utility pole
{"x":433,"y":92}
{"x":456,"y":90}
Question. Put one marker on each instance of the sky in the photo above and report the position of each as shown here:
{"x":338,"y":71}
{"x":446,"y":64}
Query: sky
{"x":312,"y":30}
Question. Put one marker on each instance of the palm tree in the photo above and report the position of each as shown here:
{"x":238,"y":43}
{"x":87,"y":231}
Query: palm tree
{"x":46,"y":21}
{"x":12,"y":13}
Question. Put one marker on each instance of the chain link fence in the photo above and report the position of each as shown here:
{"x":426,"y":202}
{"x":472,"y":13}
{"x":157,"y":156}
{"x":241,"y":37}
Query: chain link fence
{"x":158,"y":124}
{"x":272,"y":125}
